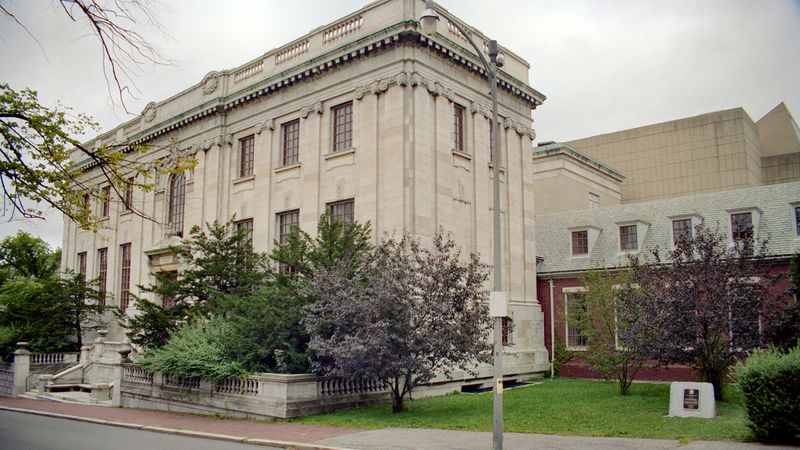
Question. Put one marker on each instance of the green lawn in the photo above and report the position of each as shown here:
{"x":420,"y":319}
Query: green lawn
{"x":561,"y":406}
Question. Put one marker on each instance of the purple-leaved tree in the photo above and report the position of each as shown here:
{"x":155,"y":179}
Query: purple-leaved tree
{"x":703,"y":305}
{"x":407,"y":315}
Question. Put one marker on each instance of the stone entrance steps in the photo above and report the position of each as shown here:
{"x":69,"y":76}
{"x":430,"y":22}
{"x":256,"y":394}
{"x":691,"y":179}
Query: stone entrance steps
{"x":76,"y":396}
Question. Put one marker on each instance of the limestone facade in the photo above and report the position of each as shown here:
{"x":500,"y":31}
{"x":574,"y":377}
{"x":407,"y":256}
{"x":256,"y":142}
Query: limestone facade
{"x":388,"y":125}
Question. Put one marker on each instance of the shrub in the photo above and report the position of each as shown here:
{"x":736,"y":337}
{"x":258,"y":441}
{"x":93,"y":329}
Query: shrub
{"x":561,"y":355}
{"x":770,"y":382}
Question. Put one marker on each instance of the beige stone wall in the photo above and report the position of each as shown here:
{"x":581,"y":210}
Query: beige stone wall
{"x":402,"y":171}
{"x":706,"y":153}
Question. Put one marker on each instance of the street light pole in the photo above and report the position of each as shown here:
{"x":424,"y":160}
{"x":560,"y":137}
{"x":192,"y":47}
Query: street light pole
{"x":429,"y":21}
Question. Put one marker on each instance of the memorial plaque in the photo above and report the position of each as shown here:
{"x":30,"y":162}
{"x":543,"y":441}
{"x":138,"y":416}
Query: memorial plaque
{"x":691,"y":399}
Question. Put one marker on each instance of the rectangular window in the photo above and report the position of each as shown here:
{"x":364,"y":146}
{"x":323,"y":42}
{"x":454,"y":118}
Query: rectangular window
{"x":507,"y":329}
{"x":128,"y":200}
{"x":580,"y":242}
{"x":102,"y":270}
{"x":342,"y":126}
{"x":246,"y":146}
{"x":82,"y":264}
{"x":458,"y":122}
{"x":286,"y":221}
{"x":341,"y":212}
{"x":797,"y":219}
{"x":627,"y":238}
{"x":87,"y":201}
{"x":246,"y":226}
{"x":168,"y":300}
{"x":681,"y":229}
{"x":291,"y":142}
{"x":105,"y":205}
{"x":125,"y":276}
{"x":741,"y":226}
{"x":575,"y":307}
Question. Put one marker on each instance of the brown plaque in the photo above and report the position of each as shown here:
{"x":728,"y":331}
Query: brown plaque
{"x":691,"y":398}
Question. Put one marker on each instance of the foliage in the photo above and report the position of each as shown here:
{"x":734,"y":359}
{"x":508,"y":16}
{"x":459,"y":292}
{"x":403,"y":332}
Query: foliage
{"x":334,"y":244}
{"x":602,"y":324}
{"x":404,"y":316}
{"x":698,"y":306}
{"x":561,"y":355}
{"x":51,"y":314}
{"x":563,"y":406}
{"x":25,"y":256}
{"x":196,"y":350}
{"x":770,"y":381}
{"x":219,"y":261}
{"x":785,"y":332}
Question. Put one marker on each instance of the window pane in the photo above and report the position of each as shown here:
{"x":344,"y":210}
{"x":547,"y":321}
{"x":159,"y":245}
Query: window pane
{"x":177,"y":199}
{"x":342,"y":212}
{"x":797,"y":219}
{"x":681,"y":229}
{"x":458,"y":118}
{"x":741,"y":226}
{"x":627,"y":238}
{"x":291,"y":142}
{"x":105,"y":205}
{"x":343,"y":127}
{"x":128,"y":200}
{"x":580,"y":242}
{"x":82,"y":264}
{"x":286,"y":221}
{"x":246,"y":158}
{"x":102,"y":269}
{"x":125,"y":276}
{"x":247,"y":227}
{"x":575,"y":306}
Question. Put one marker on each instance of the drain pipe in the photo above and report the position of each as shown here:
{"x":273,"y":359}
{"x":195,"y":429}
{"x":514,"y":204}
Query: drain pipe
{"x":552,"y":332}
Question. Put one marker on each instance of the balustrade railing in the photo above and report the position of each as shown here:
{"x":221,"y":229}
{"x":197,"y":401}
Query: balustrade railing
{"x":46,"y":359}
{"x":332,"y":387}
{"x":237,"y":386}
{"x":182,"y":382}
{"x":136,"y":374}
{"x":292,"y":52}
{"x":248,"y":71}
{"x":342,"y":29}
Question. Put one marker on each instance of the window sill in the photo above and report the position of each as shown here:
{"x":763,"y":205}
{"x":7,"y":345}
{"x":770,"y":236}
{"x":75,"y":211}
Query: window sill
{"x":244,"y":179}
{"x":581,"y":256}
{"x":578,"y":349}
{"x":466,"y":156}
{"x":501,"y":169}
{"x":287,"y":167}
{"x":347,"y":151}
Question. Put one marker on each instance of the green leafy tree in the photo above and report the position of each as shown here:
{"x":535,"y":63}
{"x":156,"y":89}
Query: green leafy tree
{"x":218,"y":262}
{"x":785,"y":333}
{"x":602,"y":324}
{"x":25,"y":256}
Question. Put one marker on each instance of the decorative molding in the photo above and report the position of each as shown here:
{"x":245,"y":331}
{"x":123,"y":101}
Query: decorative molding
{"x":149,"y":112}
{"x":268,"y":124}
{"x":223,"y":139}
{"x":210,"y":82}
{"x":316,"y":107}
{"x":174,"y":154}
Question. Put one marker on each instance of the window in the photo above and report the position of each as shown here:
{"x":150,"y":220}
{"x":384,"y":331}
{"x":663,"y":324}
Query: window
{"x":125,"y":276}
{"x":797,"y":219}
{"x":575,"y":307}
{"x":127,"y":201}
{"x":342,"y":126}
{"x":741,"y":226}
{"x":286,"y":221}
{"x":246,"y":156}
{"x":291,"y":142}
{"x":177,"y":199}
{"x":627,"y":238}
{"x":458,"y":122}
{"x":246,"y":226}
{"x":507,"y":328}
{"x":102,"y":270}
{"x":86,"y":201}
{"x":82,"y":264}
{"x":681,"y":229}
{"x":342,"y":212}
{"x":105,"y":201}
{"x":580,"y":242}
{"x":167,"y":279}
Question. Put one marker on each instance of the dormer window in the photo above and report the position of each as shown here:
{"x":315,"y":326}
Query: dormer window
{"x":631,"y":235}
{"x":744,"y":224}
{"x":582,"y":240}
{"x":683,"y":227}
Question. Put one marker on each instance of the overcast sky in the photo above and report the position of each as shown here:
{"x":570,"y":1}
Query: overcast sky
{"x":603,"y":65}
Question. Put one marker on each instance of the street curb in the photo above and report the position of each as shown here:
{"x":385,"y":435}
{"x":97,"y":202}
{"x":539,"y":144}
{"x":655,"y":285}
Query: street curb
{"x":179,"y":432}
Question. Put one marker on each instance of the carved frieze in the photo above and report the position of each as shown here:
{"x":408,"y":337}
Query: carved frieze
{"x":149,"y":112}
{"x":316,"y":107}
{"x":210,"y":83}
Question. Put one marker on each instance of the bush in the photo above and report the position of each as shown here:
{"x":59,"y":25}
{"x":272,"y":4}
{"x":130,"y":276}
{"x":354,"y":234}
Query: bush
{"x":561,"y":355}
{"x":196,"y":350}
{"x":770,"y":382}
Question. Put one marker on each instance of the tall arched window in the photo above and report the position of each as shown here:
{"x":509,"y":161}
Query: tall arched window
{"x":177,"y":199}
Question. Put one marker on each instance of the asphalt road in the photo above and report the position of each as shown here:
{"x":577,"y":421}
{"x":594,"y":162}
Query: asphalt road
{"x":28,"y":431}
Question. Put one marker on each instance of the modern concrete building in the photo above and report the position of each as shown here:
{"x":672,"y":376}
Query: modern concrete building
{"x":365,"y":117}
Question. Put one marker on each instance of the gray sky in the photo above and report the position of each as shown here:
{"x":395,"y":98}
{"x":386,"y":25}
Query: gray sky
{"x":603,"y":65}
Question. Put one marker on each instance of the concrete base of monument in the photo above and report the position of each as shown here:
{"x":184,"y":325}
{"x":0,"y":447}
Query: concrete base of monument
{"x":690,"y":399}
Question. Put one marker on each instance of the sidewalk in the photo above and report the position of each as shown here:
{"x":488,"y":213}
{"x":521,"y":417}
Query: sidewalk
{"x":300,"y":436}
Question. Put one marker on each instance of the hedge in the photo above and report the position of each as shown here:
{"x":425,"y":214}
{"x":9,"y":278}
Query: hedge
{"x":770,"y":381}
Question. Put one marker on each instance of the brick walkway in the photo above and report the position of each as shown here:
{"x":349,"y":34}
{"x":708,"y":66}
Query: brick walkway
{"x":237,"y":427}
